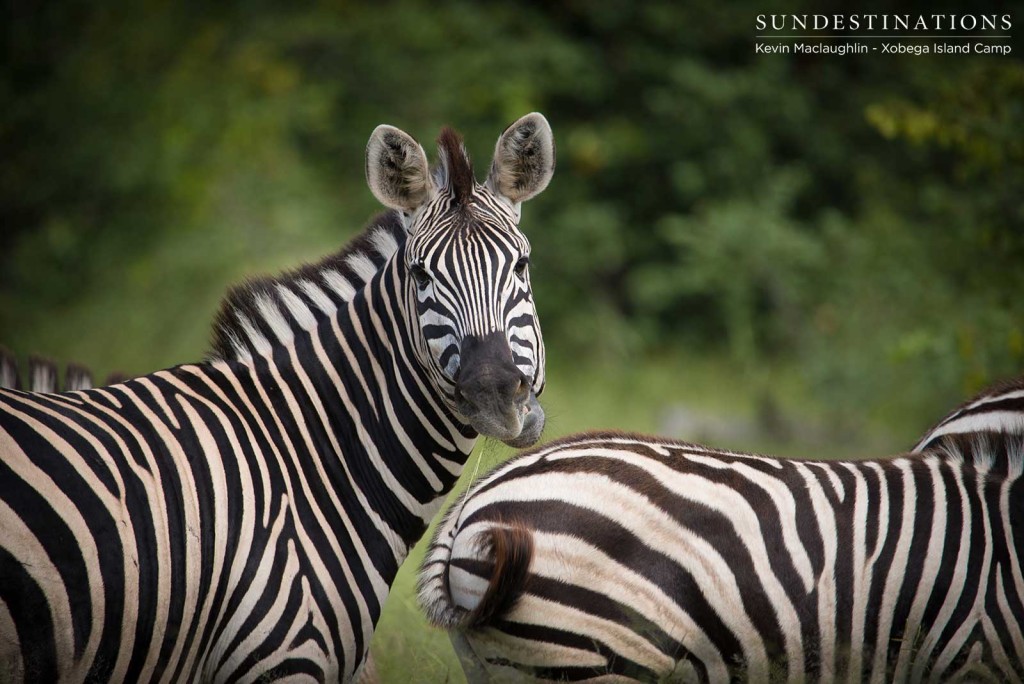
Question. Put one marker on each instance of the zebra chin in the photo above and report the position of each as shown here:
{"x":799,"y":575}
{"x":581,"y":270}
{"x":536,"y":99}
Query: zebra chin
{"x":518,"y":427}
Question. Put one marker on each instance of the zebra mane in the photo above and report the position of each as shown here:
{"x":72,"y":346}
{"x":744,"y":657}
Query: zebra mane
{"x":454,"y":172}
{"x":991,"y":393}
{"x":999,"y":453}
{"x":262,"y":313}
{"x":43,"y":375}
{"x":996,"y":408}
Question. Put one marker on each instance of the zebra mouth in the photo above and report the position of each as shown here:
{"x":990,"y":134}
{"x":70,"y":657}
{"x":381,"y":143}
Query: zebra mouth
{"x":493,"y":395}
{"x":518,"y":427}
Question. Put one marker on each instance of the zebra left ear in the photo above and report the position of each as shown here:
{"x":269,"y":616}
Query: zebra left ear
{"x":524,"y":159}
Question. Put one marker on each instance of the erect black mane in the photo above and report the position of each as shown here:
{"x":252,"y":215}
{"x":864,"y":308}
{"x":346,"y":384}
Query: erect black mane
{"x":256,"y":314}
{"x":456,"y":169}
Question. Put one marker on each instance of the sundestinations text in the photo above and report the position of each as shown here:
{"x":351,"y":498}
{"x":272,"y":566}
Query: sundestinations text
{"x":884,"y":22}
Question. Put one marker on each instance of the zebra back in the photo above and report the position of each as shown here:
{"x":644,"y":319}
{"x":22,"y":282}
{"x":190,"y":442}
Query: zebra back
{"x":625,"y":556}
{"x":998,"y":409}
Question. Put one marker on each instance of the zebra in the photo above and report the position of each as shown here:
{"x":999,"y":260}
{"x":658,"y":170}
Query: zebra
{"x":242,"y":518}
{"x":613,"y":557}
{"x":998,"y":409}
{"x":43,"y":374}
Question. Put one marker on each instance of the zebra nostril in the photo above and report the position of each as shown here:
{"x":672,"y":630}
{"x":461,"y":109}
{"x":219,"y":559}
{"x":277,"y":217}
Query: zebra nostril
{"x":522,"y":389}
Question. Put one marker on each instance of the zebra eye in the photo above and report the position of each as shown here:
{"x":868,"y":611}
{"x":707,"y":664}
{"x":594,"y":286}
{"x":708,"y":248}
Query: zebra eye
{"x":521,"y":266}
{"x":420,"y":274}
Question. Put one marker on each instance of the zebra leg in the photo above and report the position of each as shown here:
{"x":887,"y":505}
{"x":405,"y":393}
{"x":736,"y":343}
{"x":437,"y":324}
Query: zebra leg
{"x":472,"y":666}
{"x":367,"y":672}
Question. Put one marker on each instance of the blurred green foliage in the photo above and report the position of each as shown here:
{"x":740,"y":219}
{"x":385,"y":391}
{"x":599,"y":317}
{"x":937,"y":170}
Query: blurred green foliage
{"x":861,"y":216}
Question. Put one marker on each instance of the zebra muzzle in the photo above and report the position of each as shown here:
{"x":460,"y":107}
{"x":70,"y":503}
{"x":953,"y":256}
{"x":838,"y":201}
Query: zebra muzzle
{"x":493,"y":395}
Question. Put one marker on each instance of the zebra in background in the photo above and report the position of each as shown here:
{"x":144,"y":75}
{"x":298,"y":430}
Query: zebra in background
{"x":243,"y":518}
{"x":610,"y":557}
{"x":43,"y":375}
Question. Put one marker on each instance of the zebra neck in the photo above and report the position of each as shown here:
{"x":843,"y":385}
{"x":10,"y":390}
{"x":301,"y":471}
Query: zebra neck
{"x":383,"y":436}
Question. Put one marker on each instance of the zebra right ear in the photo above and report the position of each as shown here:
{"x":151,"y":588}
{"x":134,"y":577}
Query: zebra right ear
{"x":397,"y":170}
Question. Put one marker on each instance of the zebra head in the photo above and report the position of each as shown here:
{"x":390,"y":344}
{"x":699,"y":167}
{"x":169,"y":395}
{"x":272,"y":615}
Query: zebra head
{"x":465,"y":269}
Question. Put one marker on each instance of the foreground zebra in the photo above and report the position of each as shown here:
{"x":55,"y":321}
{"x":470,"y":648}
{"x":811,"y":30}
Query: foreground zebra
{"x":609,"y":557}
{"x":242,"y":519}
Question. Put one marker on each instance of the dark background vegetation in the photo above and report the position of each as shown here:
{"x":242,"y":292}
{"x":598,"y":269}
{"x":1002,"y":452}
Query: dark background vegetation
{"x":860,"y":217}
{"x":831,"y":244}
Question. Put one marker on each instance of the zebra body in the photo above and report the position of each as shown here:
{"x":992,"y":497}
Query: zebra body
{"x":242,"y":519}
{"x":608,"y":557}
{"x":998,"y":409}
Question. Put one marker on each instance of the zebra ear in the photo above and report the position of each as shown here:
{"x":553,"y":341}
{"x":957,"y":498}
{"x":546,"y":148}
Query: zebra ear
{"x":396,"y":169}
{"x":524,"y":159}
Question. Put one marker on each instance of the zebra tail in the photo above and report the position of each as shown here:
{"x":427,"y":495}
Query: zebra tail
{"x":510,"y":550}
{"x":462,"y":560}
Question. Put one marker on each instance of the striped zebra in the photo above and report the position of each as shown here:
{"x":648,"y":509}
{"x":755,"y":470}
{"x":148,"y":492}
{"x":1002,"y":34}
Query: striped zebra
{"x":613,"y":557}
{"x":999,"y":409}
{"x":43,"y":375}
{"x":242,"y":519}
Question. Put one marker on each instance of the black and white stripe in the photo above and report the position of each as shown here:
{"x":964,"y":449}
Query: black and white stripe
{"x":998,"y":409}
{"x":242,"y":519}
{"x":43,"y":375}
{"x":605,"y":557}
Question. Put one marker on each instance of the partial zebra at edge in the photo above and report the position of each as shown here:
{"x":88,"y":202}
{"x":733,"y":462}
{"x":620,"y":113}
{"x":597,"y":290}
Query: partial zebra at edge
{"x":77,"y":377}
{"x":8,"y":370}
{"x":43,"y":375}
{"x":651,"y":559}
{"x":999,"y":409}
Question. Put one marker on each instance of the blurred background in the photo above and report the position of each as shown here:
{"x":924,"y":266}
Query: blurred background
{"x":803,"y":255}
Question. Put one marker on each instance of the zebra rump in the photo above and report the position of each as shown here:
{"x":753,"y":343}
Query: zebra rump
{"x":612,"y":557}
{"x":503,"y":555}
